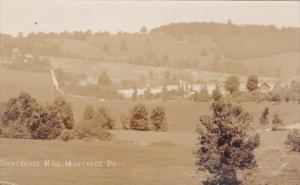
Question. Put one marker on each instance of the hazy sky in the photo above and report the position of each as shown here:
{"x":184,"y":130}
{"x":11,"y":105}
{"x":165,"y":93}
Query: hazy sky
{"x":20,"y":15}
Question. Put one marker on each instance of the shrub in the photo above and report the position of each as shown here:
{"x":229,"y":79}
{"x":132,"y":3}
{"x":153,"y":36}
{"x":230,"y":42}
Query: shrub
{"x":277,"y":123}
{"x":263,"y":120}
{"x":23,"y":109}
{"x":273,"y":97}
{"x":62,"y":112}
{"x":67,"y":135}
{"x":138,"y":118}
{"x":15,"y":130}
{"x":57,"y":117}
{"x":293,"y":140}
{"x":102,"y":116}
{"x":232,"y":84}
{"x":50,"y":129}
{"x":92,"y":129}
{"x":225,"y":146}
{"x":216,"y":94}
{"x":104,"y":79}
{"x":254,"y":96}
{"x":23,"y":117}
{"x":125,"y":122}
{"x":252,"y":83}
{"x":88,"y":112}
{"x":158,"y":119}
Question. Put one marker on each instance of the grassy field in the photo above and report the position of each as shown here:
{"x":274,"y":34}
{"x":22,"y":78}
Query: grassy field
{"x":123,"y":71}
{"x":136,"y":163}
{"x":182,"y":116}
{"x":12,"y":83}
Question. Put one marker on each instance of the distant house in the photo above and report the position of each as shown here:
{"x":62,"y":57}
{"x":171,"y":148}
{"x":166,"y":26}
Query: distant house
{"x":264,"y":87}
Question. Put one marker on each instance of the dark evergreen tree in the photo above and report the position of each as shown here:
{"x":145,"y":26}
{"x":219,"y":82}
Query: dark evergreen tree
{"x":225,"y":145}
{"x":104,"y":79}
{"x":277,"y":122}
{"x":252,"y":83}
{"x":88,"y":113}
{"x":102,"y":117}
{"x":263,"y":120}
{"x":138,"y":118}
{"x":158,"y":119}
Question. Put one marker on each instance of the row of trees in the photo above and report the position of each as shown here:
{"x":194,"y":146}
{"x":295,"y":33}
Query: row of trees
{"x":138,"y":119}
{"x":232,"y":83}
{"x":277,"y":122}
{"x":23,"y":117}
{"x":277,"y":94}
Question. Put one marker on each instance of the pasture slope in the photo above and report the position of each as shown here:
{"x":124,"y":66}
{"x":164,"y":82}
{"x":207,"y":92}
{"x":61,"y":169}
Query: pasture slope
{"x":13,"y":82}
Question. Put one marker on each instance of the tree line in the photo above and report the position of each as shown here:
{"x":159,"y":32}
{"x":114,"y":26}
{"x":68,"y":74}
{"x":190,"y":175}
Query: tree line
{"x":258,"y":40}
{"x":23,"y":117}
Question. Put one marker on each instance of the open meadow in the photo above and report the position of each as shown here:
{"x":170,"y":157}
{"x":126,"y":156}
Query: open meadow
{"x":155,"y":160}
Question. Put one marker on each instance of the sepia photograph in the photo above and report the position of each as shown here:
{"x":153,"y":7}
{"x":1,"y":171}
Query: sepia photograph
{"x":149,"y":92}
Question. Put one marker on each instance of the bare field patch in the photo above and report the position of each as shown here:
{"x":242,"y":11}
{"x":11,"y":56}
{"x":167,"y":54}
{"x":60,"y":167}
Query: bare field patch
{"x":13,"y":82}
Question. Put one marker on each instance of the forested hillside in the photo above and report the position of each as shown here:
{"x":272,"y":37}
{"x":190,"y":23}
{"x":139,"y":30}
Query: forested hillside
{"x":207,"y":46}
{"x":240,"y":41}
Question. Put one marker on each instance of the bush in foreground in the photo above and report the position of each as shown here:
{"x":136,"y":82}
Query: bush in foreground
{"x":158,"y":119}
{"x":293,"y":140}
{"x":225,"y":146}
{"x":277,"y":123}
{"x":252,"y":83}
{"x":216,"y":94}
{"x":92,"y":129}
{"x":101,"y":116}
{"x":15,"y":130}
{"x":125,"y":122}
{"x":138,"y":118}
{"x":67,"y":135}
{"x":263,"y":120}
{"x":23,"y":117}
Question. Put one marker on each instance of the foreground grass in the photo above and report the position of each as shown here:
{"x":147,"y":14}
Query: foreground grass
{"x":142,"y":158}
{"x":135,"y":164}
